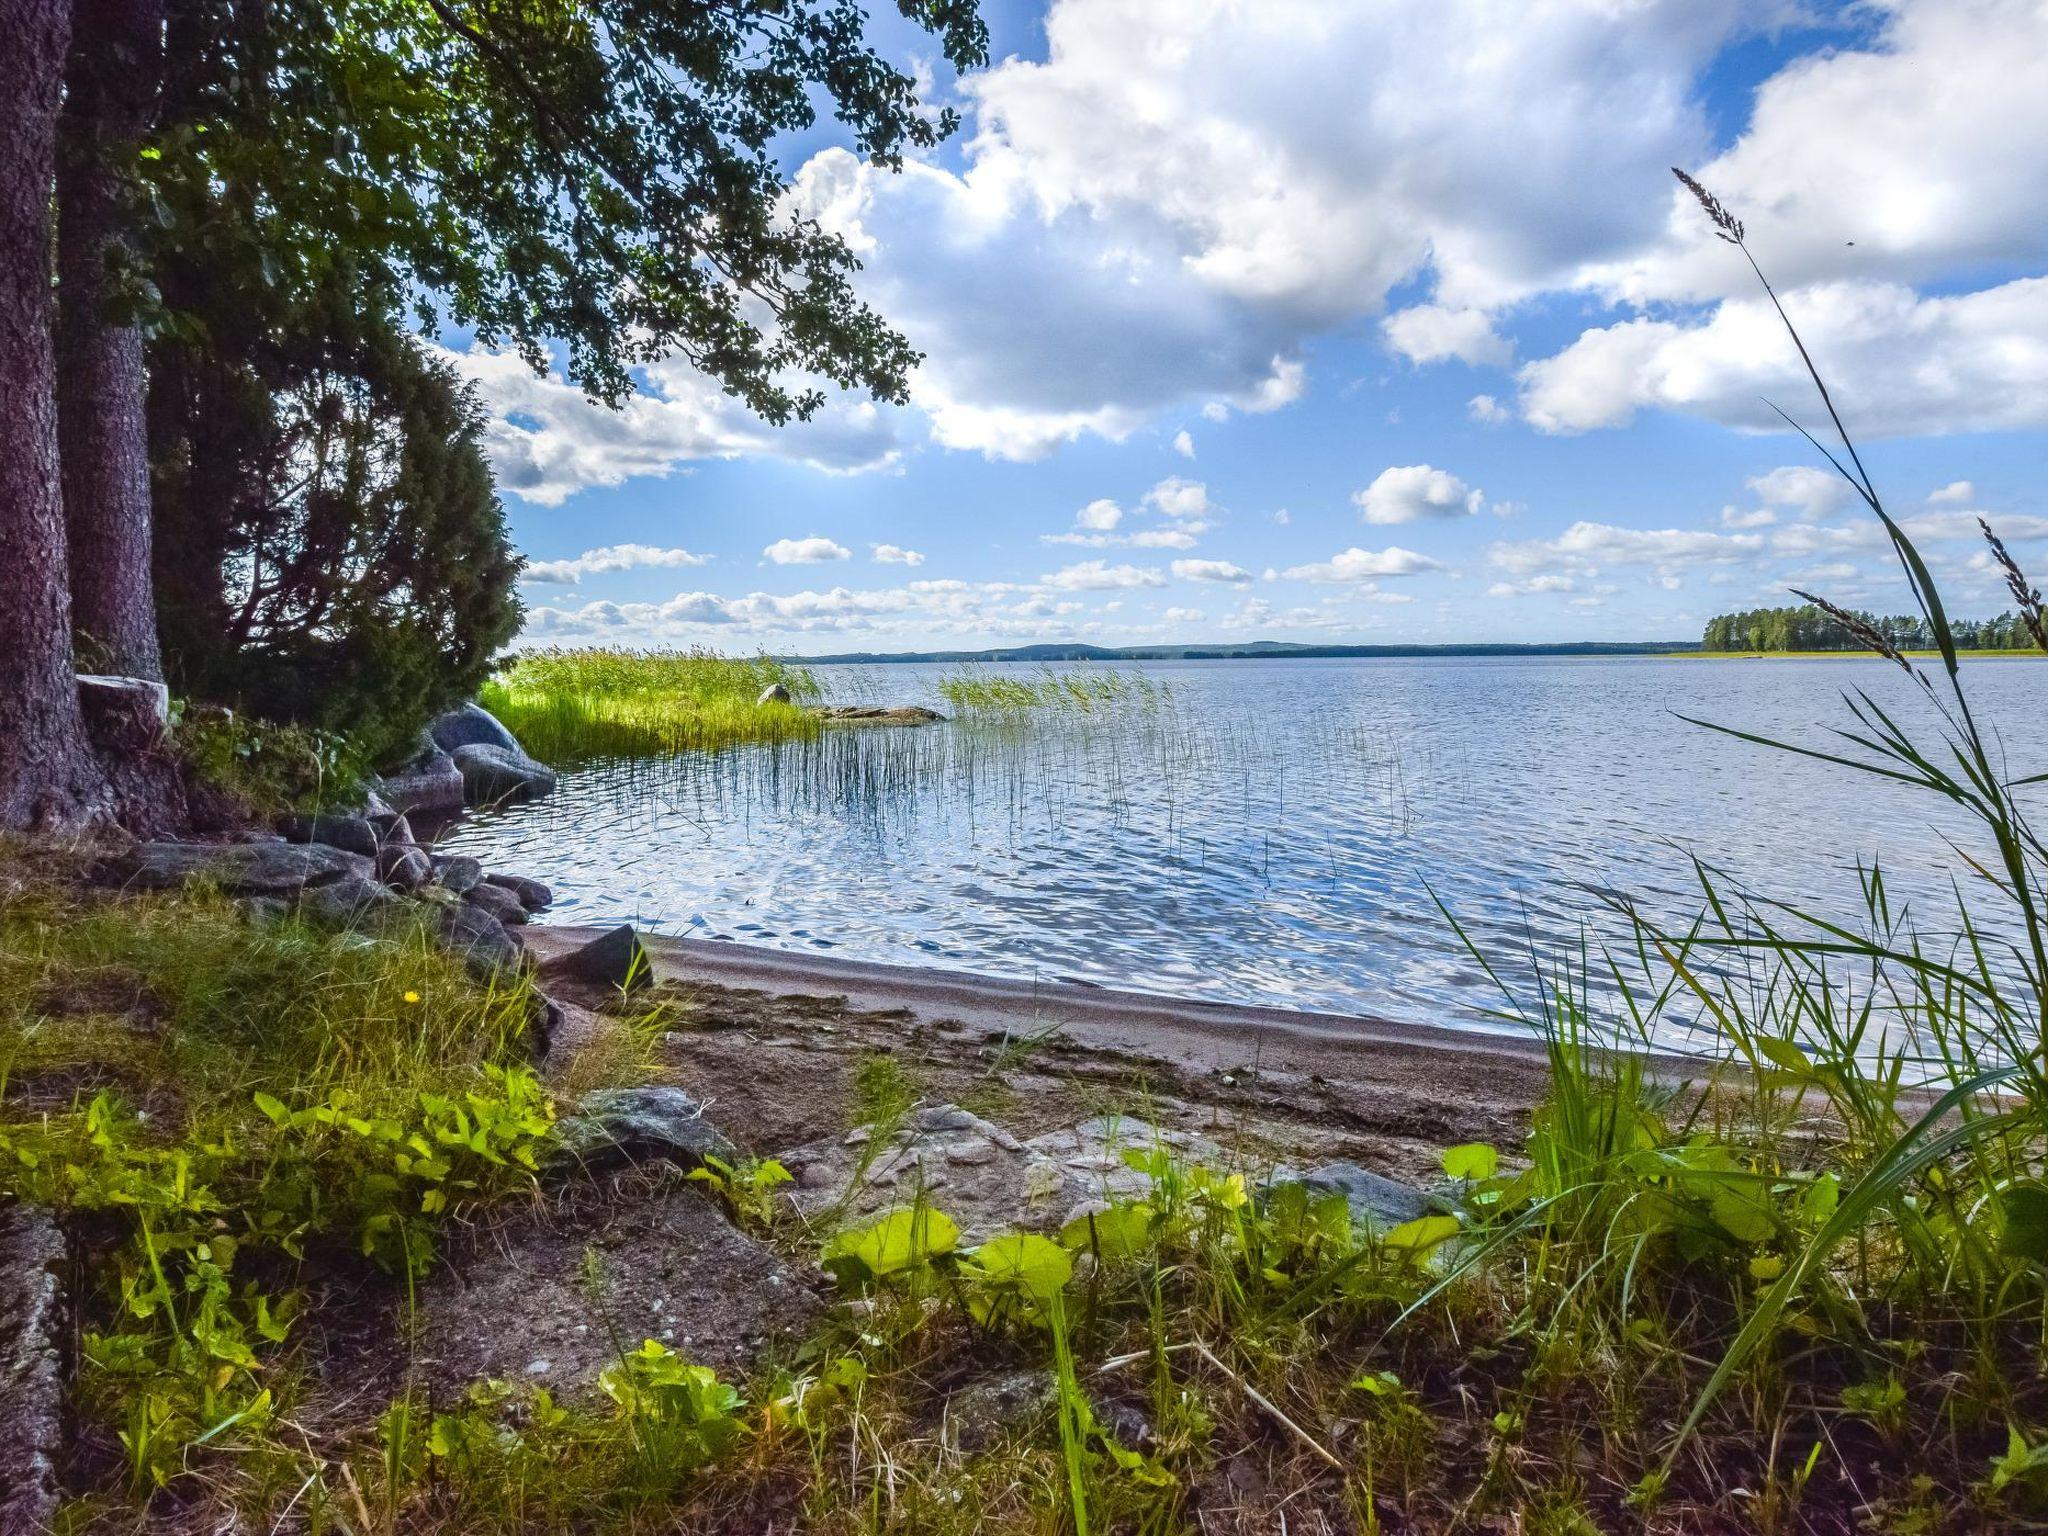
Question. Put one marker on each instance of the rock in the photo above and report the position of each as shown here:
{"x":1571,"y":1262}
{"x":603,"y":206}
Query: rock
{"x":531,"y":893}
{"x":263,"y":911}
{"x":774,"y":693}
{"x":123,"y":714}
{"x":873,"y":714}
{"x":982,"y":1414}
{"x":457,"y":872}
{"x":403,"y":867}
{"x":974,"y":1171}
{"x":985,"y":1412}
{"x":32,"y":1260}
{"x":1376,"y":1201}
{"x":614,"y":959}
{"x":486,"y":946}
{"x":497,"y":901}
{"x":344,"y":903}
{"x":655,"y":1123}
{"x":490,"y":774}
{"x":351,"y":834}
{"x":515,"y":1289}
{"x":239,"y":869}
{"x":429,"y":783}
{"x":471,"y":726}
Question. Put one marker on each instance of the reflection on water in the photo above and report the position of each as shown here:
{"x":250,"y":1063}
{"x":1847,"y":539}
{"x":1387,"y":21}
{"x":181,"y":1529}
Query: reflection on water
{"x":1273,"y":836}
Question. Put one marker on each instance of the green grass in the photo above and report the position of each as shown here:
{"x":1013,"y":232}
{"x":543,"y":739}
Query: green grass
{"x":570,"y":707}
{"x":974,"y":690}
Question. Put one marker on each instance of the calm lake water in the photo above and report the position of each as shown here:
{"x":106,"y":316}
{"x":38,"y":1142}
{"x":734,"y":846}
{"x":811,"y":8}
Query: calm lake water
{"x":1274,"y":833}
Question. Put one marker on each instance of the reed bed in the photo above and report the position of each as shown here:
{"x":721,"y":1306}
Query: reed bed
{"x":569,"y":707}
{"x":1052,"y":689}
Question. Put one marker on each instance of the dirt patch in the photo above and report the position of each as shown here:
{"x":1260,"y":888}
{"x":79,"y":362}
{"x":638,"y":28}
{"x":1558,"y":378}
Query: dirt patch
{"x":548,"y":1295}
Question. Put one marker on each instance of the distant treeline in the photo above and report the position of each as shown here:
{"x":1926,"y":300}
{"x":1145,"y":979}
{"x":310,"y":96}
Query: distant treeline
{"x":1806,"y":628}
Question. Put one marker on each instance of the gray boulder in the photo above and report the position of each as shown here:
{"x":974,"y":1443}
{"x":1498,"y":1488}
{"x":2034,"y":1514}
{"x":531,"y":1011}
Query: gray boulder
{"x":486,"y":946}
{"x":403,"y":867}
{"x":531,"y":893}
{"x":614,"y":959}
{"x":457,"y":872}
{"x":351,"y":834}
{"x":497,"y":901}
{"x":1376,"y":1201}
{"x":345,"y":903}
{"x":471,"y":726}
{"x":32,"y":1264}
{"x":239,"y":869}
{"x":656,"y":1123}
{"x":429,"y":783}
{"x":491,"y":773}
{"x":774,"y":693}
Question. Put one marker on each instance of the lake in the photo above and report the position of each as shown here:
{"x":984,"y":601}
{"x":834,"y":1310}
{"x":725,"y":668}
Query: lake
{"x":1272,"y":833}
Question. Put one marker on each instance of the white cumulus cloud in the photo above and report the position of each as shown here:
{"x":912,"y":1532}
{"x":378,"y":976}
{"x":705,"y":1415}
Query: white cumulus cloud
{"x":893,"y":554}
{"x":1211,"y":570}
{"x":1411,"y":492}
{"x":1356,"y":564}
{"x":613,"y":557}
{"x":815,"y":550}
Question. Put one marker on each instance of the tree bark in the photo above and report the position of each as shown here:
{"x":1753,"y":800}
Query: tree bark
{"x":115,"y":71}
{"x":48,"y":775}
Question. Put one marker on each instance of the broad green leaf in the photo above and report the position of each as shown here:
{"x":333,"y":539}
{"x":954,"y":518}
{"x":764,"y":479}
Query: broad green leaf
{"x":2024,"y":1207}
{"x":900,"y":1241}
{"x":1035,"y":1265}
{"x":1423,"y":1233}
{"x":1116,"y":1233}
{"x":1473,"y":1160}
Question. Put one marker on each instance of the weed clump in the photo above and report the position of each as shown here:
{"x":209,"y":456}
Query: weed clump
{"x":571,"y":707}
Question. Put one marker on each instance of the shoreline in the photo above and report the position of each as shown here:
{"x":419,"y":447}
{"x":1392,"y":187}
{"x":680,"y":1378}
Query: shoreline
{"x":1359,"y":1054}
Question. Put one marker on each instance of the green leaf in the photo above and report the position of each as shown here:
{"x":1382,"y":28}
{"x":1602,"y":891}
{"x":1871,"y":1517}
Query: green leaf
{"x":902,"y":1240}
{"x":1117,"y":1233}
{"x":1783,"y":1053}
{"x":273,"y":1108}
{"x":2024,"y":1209}
{"x":1473,"y":1160}
{"x":1035,"y":1265}
{"x":1423,"y":1233}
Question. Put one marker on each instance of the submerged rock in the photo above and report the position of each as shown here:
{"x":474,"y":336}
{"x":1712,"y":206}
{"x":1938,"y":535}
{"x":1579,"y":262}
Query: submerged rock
{"x":874,"y":714}
{"x":655,"y":1123}
{"x":491,"y":773}
{"x":32,"y":1260}
{"x":614,"y":959}
{"x":239,"y":869}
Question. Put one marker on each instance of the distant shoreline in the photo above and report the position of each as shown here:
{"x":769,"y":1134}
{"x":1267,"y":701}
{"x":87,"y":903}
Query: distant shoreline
{"x":1261,"y":650}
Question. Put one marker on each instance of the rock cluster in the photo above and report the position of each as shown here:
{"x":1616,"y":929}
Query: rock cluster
{"x":465,"y":757}
{"x":347,"y":871}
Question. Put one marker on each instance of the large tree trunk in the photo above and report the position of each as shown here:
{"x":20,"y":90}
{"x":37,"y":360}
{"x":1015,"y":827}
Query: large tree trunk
{"x":48,"y":774}
{"x":115,"y":69}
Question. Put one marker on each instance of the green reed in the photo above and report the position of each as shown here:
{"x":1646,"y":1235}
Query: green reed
{"x":1071,"y":690}
{"x":576,"y":706}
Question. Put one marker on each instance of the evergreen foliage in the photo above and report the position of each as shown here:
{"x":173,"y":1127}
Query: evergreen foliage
{"x":330,"y":548}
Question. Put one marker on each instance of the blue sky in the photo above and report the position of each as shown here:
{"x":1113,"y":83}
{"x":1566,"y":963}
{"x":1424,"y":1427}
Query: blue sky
{"x":1343,"y":321}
